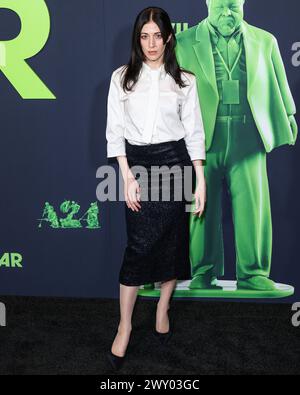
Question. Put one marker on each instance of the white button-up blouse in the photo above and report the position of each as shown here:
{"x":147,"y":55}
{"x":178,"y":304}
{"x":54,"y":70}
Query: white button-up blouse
{"x":156,"y":110}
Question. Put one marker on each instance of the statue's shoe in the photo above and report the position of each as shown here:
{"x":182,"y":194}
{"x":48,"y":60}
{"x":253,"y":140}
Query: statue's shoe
{"x":257,"y":283}
{"x":204,"y":282}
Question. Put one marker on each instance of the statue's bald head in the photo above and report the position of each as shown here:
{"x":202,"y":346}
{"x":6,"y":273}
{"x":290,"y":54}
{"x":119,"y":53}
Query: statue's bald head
{"x":225,"y":15}
{"x":209,"y":1}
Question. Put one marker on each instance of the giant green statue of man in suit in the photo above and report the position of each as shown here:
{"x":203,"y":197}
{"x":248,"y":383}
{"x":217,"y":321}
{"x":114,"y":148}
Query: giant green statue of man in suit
{"x":247,"y":110}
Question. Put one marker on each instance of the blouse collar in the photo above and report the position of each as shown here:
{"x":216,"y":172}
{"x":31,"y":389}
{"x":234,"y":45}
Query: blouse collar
{"x":148,"y":70}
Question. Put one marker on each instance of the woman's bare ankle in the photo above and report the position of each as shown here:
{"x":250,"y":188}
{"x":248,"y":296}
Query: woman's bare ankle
{"x":124,"y":327}
{"x":163,"y":306}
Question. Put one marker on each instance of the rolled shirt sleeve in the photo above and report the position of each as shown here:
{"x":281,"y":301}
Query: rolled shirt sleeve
{"x":115,"y":119}
{"x":191,"y":119}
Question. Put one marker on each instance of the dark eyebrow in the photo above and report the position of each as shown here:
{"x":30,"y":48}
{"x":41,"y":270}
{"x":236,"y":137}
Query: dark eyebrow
{"x":154,"y":33}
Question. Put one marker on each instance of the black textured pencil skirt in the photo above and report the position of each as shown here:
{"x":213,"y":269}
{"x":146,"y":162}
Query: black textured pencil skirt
{"x":158,"y":234}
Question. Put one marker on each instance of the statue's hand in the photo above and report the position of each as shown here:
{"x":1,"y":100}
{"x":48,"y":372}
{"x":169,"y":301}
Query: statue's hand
{"x":200,"y":197}
{"x":294,"y":126}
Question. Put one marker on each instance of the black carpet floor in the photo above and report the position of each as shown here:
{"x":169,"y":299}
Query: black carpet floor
{"x":62,"y":336}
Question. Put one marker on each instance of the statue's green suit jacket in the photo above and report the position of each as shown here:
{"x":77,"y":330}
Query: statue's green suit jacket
{"x":269,"y":95}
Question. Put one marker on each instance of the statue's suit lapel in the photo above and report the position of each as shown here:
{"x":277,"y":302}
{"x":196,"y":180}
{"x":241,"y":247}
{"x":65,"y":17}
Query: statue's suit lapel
{"x":252,"y":48}
{"x":204,"y":55}
{"x":203,"y":51}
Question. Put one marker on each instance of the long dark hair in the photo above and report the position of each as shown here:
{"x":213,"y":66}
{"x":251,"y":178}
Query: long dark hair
{"x":133,"y":67}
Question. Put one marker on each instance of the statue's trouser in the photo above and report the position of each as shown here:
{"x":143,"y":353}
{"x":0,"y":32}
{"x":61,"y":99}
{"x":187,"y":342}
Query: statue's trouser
{"x":237,"y":153}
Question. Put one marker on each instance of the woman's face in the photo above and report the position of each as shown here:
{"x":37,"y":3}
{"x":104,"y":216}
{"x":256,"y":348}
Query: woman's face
{"x":152,"y":42}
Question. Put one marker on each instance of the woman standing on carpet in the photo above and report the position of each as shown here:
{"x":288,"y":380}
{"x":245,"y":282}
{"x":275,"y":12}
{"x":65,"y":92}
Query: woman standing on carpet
{"x":154,"y":119}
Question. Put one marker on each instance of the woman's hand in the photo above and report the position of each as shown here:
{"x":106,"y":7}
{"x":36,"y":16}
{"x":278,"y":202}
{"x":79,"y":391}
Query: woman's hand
{"x":132,"y":191}
{"x":200,"y":197}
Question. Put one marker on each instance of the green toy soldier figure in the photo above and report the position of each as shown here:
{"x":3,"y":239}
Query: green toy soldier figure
{"x":248,"y":110}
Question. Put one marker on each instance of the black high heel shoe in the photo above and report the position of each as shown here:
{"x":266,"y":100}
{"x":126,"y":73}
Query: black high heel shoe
{"x":163,"y":338}
{"x":115,"y":361}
